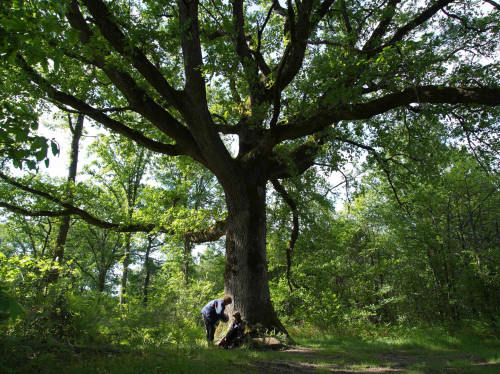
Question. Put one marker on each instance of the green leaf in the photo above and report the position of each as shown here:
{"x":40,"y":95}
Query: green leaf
{"x":24,"y":107}
{"x":4,"y":302}
{"x":57,"y":62}
{"x":18,"y":154}
{"x":38,"y":143}
{"x":34,"y":125}
{"x":73,"y":37}
{"x":17,"y":163}
{"x":13,"y":24}
{"x":60,"y":10}
{"x":15,"y":310}
{"x":41,"y":154}
{"x":31,"y":164}
{"x":8,"y":307}
{"x":54,"y":148}
{"x":18,"y":4}
{"x":21,"y":136}
{"x":45,"y":65}
{"x":11,"y":57}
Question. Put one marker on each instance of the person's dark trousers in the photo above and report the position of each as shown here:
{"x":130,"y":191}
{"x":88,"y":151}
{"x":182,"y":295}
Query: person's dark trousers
{"x":209,"y":327}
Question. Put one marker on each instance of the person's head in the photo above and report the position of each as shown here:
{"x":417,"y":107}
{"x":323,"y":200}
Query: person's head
{"x":237,"y":316}
{"x":226,"y":299}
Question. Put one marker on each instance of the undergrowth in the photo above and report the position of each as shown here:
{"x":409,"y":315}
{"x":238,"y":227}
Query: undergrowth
{"x":94,"y":335}
{"x":417,"y":350}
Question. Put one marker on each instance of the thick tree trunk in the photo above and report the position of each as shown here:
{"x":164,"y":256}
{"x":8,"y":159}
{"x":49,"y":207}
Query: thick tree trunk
{"x":246,"y":275}
{"x":244,"y":183}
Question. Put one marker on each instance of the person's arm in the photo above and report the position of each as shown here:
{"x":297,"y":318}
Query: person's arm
{"x":220,"y":311}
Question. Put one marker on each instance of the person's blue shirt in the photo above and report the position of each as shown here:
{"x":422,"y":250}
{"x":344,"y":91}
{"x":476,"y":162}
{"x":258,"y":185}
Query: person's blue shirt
{"x":214,"y":311}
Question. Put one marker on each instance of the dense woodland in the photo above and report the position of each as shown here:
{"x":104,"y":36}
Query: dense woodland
{"x":332,"y":164}
{"x":433,"y":261}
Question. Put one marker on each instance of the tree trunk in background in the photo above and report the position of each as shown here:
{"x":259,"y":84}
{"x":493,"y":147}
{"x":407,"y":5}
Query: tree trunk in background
{"x":131,"y":189}
{"x":187,"y":256}
{"x":125,"y":262}
{"x":147,"y":268}
{"x":101,"y":279}
{"x":64,"y":228}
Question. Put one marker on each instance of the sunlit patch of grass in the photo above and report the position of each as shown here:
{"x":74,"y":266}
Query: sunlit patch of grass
{"x":418,"y":350}
{"x":494,"y":359}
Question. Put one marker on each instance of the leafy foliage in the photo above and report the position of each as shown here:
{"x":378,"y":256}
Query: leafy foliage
{"x":17,"y":141}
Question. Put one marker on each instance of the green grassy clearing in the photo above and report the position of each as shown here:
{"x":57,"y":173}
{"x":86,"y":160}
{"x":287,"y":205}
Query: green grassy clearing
{"x":406,"y":351}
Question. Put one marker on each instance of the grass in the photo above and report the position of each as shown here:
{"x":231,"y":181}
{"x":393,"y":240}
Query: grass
{"x":410,"y":351}
{"x":395,"y":350}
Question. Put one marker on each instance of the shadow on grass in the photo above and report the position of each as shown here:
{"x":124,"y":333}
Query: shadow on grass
{"x":419,"y":352}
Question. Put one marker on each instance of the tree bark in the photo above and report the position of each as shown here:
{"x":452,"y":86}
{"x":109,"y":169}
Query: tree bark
{"x":246,"y":274}
{"x":147,"y":268}
{"x":101,"y":280}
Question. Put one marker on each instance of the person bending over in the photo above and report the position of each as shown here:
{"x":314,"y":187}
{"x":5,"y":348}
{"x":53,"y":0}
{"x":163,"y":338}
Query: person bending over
{"x":212,"y":313}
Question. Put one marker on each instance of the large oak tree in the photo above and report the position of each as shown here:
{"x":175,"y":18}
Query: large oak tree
{"x":290,"y":82}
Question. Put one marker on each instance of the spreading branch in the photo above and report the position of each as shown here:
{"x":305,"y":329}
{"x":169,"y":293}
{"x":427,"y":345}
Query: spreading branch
{"x":65,"y":100}
{"x":382,"y":162}
{"x":325,"y":117}
{"x":137,"y":97}
{"x":245,"y":54}
{"x":383,"y":26}
{"x":494,"y":3}
{"x":205,"y":235}
{"x":417,"y":21}
{"x":103,"y":19}
{"x":209,"y":234}
{"x":300,"y":159}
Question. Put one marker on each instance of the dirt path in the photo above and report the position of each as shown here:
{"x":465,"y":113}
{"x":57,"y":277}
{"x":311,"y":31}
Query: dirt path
{"x":304,"y":360}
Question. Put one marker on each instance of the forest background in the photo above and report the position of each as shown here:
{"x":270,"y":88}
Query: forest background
{"x":373,"y":222}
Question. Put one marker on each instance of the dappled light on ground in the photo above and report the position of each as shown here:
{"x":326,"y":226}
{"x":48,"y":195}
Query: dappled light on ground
{"x":307,"y":360}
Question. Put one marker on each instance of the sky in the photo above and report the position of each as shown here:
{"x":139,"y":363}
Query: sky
{"x":58,"y":165}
